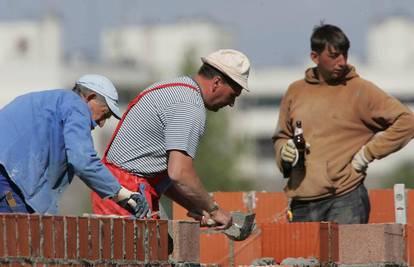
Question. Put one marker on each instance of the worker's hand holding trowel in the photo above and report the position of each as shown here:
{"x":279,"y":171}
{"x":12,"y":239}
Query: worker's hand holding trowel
{"x":242,"y":224}
{"x":218,"y":219}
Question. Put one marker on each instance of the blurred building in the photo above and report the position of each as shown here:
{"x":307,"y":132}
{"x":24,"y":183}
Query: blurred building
{"x":30,"y":56}
{"x":133,"y":56}
{"x":163,"y":49}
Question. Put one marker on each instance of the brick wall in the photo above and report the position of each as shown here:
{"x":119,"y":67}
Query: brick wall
{"x":33,"y":240}
{"x":276,"y":238}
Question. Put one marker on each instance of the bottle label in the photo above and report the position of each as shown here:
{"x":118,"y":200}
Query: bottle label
{"x":298,"y":131}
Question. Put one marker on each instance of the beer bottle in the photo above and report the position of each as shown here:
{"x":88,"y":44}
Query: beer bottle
{"x":300,"y":144}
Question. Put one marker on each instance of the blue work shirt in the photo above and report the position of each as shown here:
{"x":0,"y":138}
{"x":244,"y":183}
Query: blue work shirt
{"x":45,"y":139}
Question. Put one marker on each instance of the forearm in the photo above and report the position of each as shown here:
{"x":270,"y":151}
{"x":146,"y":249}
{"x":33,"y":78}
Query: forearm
{"x":186,"y":181}
{"x":175,"y":195}
{"x":192,"y":192}
{"x":392,"y":139}
{"x":94,"y":174}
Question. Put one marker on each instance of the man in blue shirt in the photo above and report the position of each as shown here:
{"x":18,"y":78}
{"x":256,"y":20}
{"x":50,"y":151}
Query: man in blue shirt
{"x":45,"y":139}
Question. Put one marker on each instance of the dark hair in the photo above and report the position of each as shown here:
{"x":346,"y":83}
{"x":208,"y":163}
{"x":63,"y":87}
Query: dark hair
{"x":209,"y":72}
{"x":84,"y":91}
{"x":331,"y":35}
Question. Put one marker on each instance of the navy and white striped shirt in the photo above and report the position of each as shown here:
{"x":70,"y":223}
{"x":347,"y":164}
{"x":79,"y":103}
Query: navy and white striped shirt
{"x":171,"y":118}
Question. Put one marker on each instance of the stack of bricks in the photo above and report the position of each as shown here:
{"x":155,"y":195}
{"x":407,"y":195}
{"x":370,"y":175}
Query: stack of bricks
{"x":379,"y":243}
{"x":33,"y":240}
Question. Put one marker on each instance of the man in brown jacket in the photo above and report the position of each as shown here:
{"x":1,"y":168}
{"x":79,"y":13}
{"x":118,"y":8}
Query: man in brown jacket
{"x":348,"y":122}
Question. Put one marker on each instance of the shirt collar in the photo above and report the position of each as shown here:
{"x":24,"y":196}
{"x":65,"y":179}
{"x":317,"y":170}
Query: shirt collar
{"x":93,"y":123}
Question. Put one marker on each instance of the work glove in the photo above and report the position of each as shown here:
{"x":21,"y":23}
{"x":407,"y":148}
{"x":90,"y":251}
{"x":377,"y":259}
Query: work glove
{"x":290,"y":153}
{"x":134,"y":202}
{"x":360,"y":161}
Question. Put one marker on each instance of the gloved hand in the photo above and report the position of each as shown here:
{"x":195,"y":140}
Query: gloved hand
{"x":360,"y":161}
{"x":134,"y":202}
{"x":289,"y":153}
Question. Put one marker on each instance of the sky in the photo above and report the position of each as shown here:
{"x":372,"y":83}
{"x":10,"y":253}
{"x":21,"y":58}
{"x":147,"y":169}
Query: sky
{"x":269,"y":32}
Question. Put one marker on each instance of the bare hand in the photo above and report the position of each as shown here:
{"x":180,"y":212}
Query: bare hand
{"x":222,"y":219}
{"x":204,"y":218}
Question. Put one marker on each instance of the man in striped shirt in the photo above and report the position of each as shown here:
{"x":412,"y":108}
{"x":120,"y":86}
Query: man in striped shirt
{"x":153,"y":148}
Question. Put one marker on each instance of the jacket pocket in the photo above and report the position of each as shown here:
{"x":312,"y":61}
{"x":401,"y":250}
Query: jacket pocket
{"x":311,"y":182}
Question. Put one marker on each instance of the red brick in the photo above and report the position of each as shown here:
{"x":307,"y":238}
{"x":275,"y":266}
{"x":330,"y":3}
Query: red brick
{"x":118,"y":230}
{"x":129,"y":239}
{"x":71,"y":237}
{"x":2,"y":235}
{"x":373,"y":243}
{"x":214,"y":248}
{"x":297,"y":240}
{"x":163,"y":240}
{"x":269,"y":206}
{"x":94,"y":242}
{"x":409,"y":248}
{"x":34,"y":225}
{"x":231,"y":201}
{"x":11,"y":235}
{"x":106,"y":238}
{"x":186,"y":237}
{"x":23,"y":235}
{"x":59,"y":238}
{"x":329,"y":250}
{"x":410,"y":208}
{"x":47,"y":247}
{"x":140,"y":228}
{"x":83,"y":237}
{"x":152,"y":247}
{"x":382,"y":206}
{"x":178,"y":212}
{"x":246,"y":251}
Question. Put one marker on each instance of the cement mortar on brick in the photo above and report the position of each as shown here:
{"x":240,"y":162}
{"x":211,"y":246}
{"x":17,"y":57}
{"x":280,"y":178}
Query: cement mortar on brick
{"x":365,"y":244}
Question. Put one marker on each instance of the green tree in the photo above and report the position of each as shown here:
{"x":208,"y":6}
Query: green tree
{"x":218,"y":155}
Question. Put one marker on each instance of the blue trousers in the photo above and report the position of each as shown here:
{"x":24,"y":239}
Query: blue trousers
{"x":353,"y":207}
{"x":6,"y":185}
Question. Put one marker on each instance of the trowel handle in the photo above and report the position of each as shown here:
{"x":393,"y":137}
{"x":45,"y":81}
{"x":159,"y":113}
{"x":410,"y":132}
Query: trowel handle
{"x":210,"y":222}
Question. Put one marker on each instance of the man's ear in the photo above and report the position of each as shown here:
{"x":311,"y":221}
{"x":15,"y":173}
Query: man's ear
{"x":90,"y":96}
{"x":315,"y":57}
{"x":216,"y":83}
